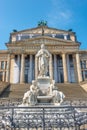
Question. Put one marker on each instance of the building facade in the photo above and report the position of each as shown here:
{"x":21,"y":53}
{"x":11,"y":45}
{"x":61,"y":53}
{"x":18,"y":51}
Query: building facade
{"x":68,"y":63}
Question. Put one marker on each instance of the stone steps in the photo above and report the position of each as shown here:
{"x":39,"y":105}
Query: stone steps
{"x":72,"y":91}
{"x":3,"y":86}
{"x":16,"y":91}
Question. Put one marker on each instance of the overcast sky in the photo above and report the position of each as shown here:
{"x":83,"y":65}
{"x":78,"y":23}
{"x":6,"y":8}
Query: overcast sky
{"x":60,"y":14}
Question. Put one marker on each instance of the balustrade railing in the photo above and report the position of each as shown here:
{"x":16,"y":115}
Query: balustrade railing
{"x":43,"y":118}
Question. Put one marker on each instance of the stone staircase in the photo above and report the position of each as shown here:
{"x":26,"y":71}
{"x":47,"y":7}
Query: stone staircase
{"x":84,"y":85}
{"x":15,"y":92}
{"x":72,"y":91}
{"x":13,"y":95}
{"x":3,"y":86}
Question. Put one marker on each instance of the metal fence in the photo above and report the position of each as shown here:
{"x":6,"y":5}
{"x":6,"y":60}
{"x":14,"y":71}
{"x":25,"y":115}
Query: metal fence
{"x":43,"y":118}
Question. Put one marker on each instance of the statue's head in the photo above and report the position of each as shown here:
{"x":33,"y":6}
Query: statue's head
{"x":42,"y":46}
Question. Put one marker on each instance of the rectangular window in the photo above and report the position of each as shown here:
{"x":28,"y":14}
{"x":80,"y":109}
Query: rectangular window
{"x":83,"y":75}
{"x":60,"y":63}
{"x":71,"y":61}
{"x":2,"y":65}
{"x":86,"y":74}
{"x":1,"y":76}
{"x":83,"y":64}
{"x":26,"y":62}
{"x":6,"y":65}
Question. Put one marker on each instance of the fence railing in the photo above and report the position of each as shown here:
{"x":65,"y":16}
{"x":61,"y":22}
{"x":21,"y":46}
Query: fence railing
{"x":43,"y":118}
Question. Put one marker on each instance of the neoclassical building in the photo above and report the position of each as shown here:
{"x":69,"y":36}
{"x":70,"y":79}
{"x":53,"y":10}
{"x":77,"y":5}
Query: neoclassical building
{"x":68,"y":64}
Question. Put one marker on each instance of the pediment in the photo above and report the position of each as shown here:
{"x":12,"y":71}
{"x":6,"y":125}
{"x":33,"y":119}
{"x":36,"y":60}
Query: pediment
{"x":38,"y":30}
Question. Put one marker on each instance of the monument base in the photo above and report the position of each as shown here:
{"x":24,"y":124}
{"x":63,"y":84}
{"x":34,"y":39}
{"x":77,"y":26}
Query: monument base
{"x":43,"y":83}
{"x":44,"y":99}
{"x":43,"y":89}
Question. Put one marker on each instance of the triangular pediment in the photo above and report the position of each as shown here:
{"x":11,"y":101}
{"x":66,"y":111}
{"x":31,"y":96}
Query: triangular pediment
{"x":38,"y":30}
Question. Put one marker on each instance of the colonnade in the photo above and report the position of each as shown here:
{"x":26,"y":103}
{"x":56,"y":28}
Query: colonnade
{"x":18,"y":75}
{"x":76,"y":75}
{"x":18,"y":69}
{"x":64,"y":67}
{"x":3,"y":72}
{"x":5,"y":69}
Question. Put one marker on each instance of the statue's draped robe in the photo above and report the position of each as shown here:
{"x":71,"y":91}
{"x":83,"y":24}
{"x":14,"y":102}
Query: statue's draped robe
{"x":43,"y":62}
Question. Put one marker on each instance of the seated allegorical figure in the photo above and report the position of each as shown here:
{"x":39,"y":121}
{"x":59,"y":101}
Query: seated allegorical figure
{"x":30,"y":97}
{"x":58,"y":96}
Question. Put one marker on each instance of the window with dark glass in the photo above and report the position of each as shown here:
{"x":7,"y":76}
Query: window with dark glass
{"x":86,"y":74}
{"x":68,"y":37}
{"x":1,"y":75}
{"x":83,"y":64}
{"x":71,"y":61}
{"x":60,"y":64}
{"x":83,"y":75}
{"x":59,"y":36}
{"x":6,"y":65}
{"x":26,"y":62}
{"x":26,"y":36}
{"x":2,"y":65}
{"x":26,"y":68}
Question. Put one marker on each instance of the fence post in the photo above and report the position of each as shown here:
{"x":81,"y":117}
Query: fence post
{"x":12,"y":117}
{"x":43,"y":119}
{"x":74,"y":118}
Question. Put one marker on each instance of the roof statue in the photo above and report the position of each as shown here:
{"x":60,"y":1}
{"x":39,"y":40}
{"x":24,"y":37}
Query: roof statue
{"x":42,"y":23}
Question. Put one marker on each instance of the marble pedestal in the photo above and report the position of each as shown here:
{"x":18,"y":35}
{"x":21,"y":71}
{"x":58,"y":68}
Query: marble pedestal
{"x":45,"y":90}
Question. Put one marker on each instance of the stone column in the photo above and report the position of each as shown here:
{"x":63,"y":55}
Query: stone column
{"x":18,"y":64}
{"x":4,"y":72}
{"x":30,"y":74}
{"x":75,"y":68}
{"x":68,"y":69}
{"x":50,"y":67}
{"x":55,"y":68}
{"x":0,"y":64}
{"x":36,"y":69}
{"x":78,"y":68}
{"x":3,"y":76}
{"x":22,"y":69}
{"x":33,"y":66}
{"x":12,"y":68}
{"x":8,"y":69}
{"x":65,"y":68}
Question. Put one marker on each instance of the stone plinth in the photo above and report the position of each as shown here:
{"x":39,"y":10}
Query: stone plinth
{"x":44,"y":99}
{"x":43,"y":84}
